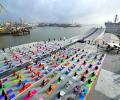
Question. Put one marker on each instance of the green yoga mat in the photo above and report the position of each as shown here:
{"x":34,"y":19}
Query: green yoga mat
{"x":16,"y":81}
{"x":74,"y":60}
{"x":58,"y":82}
{"x":62,"y":78}
{"x":7,"y":85}
{"x":93,"y":61}
{"x":92,"y":77}
{"x":88,"y":85}
{"x":2,"y":89}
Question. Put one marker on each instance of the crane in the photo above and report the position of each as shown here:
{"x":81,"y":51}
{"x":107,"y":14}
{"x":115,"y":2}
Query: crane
{"x":1,"y":8}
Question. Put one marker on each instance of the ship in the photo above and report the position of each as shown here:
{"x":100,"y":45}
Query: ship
{"x":4,"y":31}
{"x":113,"y":27}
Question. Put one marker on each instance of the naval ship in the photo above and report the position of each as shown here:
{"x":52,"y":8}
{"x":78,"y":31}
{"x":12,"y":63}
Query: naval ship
{"x":113,"y":27}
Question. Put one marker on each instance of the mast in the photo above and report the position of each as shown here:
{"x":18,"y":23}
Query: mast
{"x":116,"y":18}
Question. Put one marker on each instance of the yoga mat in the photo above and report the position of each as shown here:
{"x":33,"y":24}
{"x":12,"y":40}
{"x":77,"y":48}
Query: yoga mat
{"x":7,"y":85}
{"x":26,"y":86}
{"x":9,"y":91}
{"x":79,"y":63}
{"x":75,"y":61}
{"x":4,"y":80}
{"x":34,"y":92}
{"x":92,"y":77}
{"x":32,"y":76}
{"x":41,"y":98}
{"x":1,"y":97}
{"x":62,"y":78}
{"x":83,"y":64}
{"x":12,"y":96}
{"x":16,"y":81}
{"x":88,"y":85}
{"x":1,"y":70}
{"x":19,"y":86}
{"x":25,"y":81}
{"x":28,"y":98}
{"x":81,"y":97}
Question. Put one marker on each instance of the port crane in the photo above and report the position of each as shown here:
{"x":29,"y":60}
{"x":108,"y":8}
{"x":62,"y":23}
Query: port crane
{"x":2,"y":9}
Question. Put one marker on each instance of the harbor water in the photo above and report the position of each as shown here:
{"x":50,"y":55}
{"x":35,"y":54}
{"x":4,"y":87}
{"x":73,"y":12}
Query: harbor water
{"x":43,"y":34}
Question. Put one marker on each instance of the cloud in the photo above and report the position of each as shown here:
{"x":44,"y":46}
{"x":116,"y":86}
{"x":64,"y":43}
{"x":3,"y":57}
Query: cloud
{"x":82,"y":11}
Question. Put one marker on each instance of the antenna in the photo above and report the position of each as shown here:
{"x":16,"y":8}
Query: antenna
{"x":116,"y":18}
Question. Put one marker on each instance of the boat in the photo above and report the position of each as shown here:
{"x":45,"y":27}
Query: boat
{"x":4,"y":31}
{"x":113,"y":27}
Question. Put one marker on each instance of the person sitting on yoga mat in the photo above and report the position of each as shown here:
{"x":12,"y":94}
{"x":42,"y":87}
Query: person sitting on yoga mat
{"x":3,"y":49}
{"x":18,"y":76}
{"x":78,"y":49}
{"x":67,"y":57}
{"x":58,"y":95}
{"x":30,"y":57}
{"x":20,"y":82}
{"x":43,"y":83}
{"x":1,"y":84}
{"x":90,"y":66}
{"x":36,"y":62}
{"x":23,"y":85}
{"x":96,"y":68}
{"x":89,"y":81}
{"x":29,"y":93}
{"x":84,"y":62}
{"x":72,"y":58}
{"x":50,"y":88}
{"x":81,"y":57}
{"x":78,"y":60}
{"x":82,"y":78}
{"x":59,"y":79}
{"x":40,"y":64}
{"x":86,"y":72}
{"x":76,"y":55}
{"x":61,"y":60}
{"x":93,"y":74}
{"x":10,"y":66}
{"x":7,"y":96}
{"x":3,"y":93}
{"x":20,"y":61}
{"x":14,"y":73}
{"x":95,"y":57}
{"x":83,"y":50}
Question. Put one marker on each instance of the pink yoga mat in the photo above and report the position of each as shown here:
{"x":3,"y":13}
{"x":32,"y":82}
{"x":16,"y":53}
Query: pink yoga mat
{"x":79,"y":62}
{"x":28,"y":98}
{"x":41,"y":98}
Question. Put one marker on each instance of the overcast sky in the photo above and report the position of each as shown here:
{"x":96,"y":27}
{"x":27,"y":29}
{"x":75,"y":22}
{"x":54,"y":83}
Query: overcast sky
{"x":79,"y":11}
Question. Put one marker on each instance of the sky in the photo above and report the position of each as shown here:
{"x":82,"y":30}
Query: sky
{"x":61,"y":11}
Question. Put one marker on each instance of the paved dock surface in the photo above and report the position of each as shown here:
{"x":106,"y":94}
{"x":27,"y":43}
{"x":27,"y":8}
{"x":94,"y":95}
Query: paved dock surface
{"x":107,"y":86}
